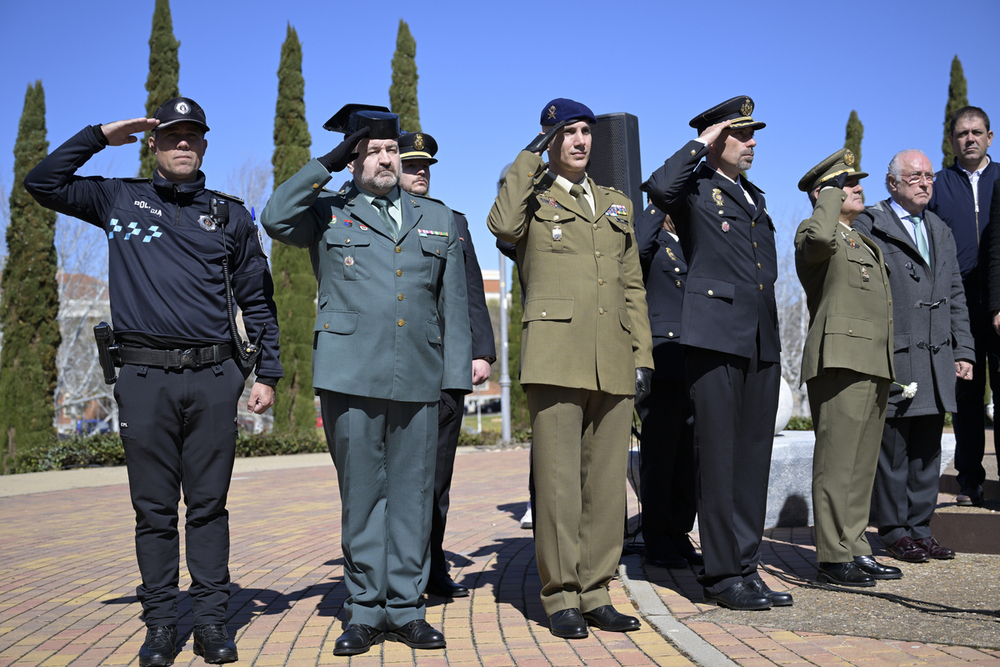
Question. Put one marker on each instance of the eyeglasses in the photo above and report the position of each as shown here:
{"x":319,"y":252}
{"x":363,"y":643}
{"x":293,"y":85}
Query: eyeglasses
{"x":916,"y":177}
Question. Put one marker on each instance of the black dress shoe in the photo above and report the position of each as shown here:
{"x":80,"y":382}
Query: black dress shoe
{"x":357,"y":638}
{"x":568,"y":624}
{"x":417,"y":634}
{"x":844,"y":574}
{"x":934,"y":548}
{"x":160,"y":647}
{"x":607,"y":618}
{"x":739,"y":597}
{"x":777,"y":599}
{"x":212,"y":643}
{"x":666,"y":561}
{"x":970,"y":496}
{"x":443,"y":586}
{"x":869,"y":565}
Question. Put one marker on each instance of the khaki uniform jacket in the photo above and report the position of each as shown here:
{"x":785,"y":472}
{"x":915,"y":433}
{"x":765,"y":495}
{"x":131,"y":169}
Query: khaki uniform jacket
{"x":585,"y":324}
{"x":847,"y":289}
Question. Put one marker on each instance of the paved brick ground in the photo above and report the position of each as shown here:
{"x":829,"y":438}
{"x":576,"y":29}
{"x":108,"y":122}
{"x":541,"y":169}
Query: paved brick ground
{"x":68,"y":578}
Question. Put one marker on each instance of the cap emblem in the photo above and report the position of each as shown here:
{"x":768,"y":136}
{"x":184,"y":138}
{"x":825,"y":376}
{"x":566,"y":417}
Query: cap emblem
{"x":182,"y":107}
{"x":747,"y":107}
{"x":849,"y":158}
{"x":552,"y":112}
{"x":418,"y":142}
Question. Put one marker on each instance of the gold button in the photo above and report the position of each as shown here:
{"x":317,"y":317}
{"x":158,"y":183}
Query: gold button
{"x":721,"y":211}
{"x":600,"y":310}
{"x":399,"y":272}
{"x":850,"y":331}
{"x":401,"y":322}
{"x":400,"y":296}
{"x":754,"y":244}
{"x":652,"y":210}
{"x":694,"y":152}
{"x":600,"y":281}
{"x":598,"y":253}
{"x":326,"y":326}
{"x":439,"y":251}
{"x":711,"y":293}
{"x":678,"y":283}
{"x":890,"y":320}
{"x":347,"y":240}
{"x":315,"y":185}
{"x":439,"y":339}
{"x":398,"y":249}
{"x":762,"y":287}
{"x":555,"y":217}
{"x":670,"y":334}
{"x":595,"y":225}
{"x":544,"y":313}
{"x":890,"y":302}
{"x":753,"y":224}
{"x":758,"y":265}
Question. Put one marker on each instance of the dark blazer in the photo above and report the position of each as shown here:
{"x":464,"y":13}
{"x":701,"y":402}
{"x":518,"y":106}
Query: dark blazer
{"x":732,"y":260}
{"x":483,"y":345}
{"x":930,"y":319}
{"x":664,"y":272}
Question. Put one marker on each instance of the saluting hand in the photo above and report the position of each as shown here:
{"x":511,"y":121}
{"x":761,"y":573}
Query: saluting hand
{"x":121,"y":132}
{"x":344,"y":153}
{"x":713,"y":132}
{"x":542,"y":141}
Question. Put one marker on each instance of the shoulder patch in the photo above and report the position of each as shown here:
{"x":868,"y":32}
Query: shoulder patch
{"x":226,"y":196}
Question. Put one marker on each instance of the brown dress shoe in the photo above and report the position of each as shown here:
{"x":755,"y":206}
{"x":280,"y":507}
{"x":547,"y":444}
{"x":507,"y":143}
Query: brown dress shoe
{"x":935,"y":550}
{"x":905,"y":549}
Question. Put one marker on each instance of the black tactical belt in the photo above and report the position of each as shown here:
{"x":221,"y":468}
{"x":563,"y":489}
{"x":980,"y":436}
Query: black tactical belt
{"x":195,"y":357}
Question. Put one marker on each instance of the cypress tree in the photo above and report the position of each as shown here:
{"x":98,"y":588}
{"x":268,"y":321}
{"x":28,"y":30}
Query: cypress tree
{"x":855,"y":131}
{"x":518,"y":399}
{"x":295,"y":285}
{"x":958,"y":97}
{"x":403,"y":91}
{"x":164,"y":73}
{"x":30,"y":298}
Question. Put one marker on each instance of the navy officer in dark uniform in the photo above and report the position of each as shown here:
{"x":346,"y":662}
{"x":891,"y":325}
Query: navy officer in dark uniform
{"x":416,"y":155}
{"x":178,"y":389}
{"x":729,"y":327}
{"x":666,"y":470}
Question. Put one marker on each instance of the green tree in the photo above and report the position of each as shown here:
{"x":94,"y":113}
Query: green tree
{"x":855,"y":131}
{"x":295,"y":286}
{"x":518,"y":399}
{"x":958,"y":97}
{"x":164,"y":73}
{"x":30,"y":301}
{"x":403,"y":91}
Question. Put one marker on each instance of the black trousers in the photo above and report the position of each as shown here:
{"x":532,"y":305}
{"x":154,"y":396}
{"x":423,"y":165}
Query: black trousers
{"x":908,"y":477}
{"x":666,"y":469}
{"x":970,"y":436}
{"x":450,"y":411}
{"x":178,"y":428}
{"x":735,"y":401}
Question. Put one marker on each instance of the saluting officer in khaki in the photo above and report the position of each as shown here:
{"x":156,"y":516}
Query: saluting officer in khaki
{"x":586,"y":351}
{"x":847,"y":366}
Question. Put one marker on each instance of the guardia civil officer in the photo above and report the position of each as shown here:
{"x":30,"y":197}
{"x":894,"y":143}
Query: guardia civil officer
{"x":416,"y":155}
{"x":178,"y":389}
{"x":586,"y":354}
{"x":846,"y":365}
{"x":392,"y":332}
{"x":729,"y":326}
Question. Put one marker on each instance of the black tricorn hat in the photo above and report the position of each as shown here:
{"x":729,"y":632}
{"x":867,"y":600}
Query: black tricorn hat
{"x":352,"y":117}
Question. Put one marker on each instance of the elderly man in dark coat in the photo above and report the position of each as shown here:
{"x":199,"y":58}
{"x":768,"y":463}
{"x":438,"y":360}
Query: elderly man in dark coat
{"x":933,"y":345}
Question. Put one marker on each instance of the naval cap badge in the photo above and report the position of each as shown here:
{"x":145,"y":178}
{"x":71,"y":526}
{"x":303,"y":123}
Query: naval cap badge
{"x":418,"y":142}
{"x":747,"y":108}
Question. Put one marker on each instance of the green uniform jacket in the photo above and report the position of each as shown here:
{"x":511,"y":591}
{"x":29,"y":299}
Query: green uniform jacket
{"x":585,"y":324}
{"x":847,"y":289}
{"x":392,"y":316}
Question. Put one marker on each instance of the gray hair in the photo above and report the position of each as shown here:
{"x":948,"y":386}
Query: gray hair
{"x":895,"y":169}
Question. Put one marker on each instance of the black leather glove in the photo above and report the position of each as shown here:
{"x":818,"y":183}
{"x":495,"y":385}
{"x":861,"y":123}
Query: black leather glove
{"x":542,"y":141}
{"x":643,"y":383}
{"x":343,"y":154}
{"x":837,"y":181}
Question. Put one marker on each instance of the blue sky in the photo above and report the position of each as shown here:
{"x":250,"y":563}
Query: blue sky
{"x":487,"y":69}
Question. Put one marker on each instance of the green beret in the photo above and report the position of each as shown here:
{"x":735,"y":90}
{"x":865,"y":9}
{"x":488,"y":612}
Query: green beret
{"x":840,"y":162}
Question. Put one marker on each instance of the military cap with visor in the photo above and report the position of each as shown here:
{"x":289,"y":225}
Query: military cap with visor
{"x":180,"y":110}
{"x":381,"y":123}
{"x":738,"y":109}
{"x":839,"y":163}
{"x":417,"y":146}
{"x":562,"y":109}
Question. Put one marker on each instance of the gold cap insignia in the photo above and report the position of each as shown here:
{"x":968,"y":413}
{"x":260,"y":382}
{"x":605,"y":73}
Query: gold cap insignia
{"x":552,"y":112}
{"x":418,"y":142}
{"x":747,"y":108}
{"x":849,"y":158}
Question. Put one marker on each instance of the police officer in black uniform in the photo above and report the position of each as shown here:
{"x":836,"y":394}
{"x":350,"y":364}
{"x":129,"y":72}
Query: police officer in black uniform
{"x":169,"y":243}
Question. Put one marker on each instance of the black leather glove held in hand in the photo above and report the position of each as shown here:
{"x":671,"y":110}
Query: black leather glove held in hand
{"x":541,"y":142}
{"x":643,"y":383}
{"x":343,"y":154}
{"x":837,"y":181}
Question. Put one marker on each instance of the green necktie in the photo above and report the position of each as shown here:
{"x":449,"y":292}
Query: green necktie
{"x":579,"y":194}
{"x":921,"y":239}
{"x":383,"y":204}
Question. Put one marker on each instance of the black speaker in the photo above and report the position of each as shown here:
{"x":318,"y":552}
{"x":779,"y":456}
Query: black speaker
{"x":614,"y":155}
